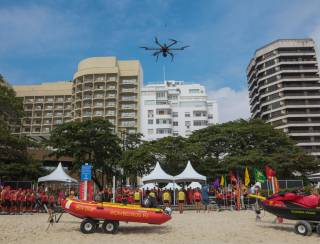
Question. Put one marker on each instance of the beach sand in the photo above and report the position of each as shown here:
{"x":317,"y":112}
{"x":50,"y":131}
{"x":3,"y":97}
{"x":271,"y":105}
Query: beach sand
{"x":213,"y":227}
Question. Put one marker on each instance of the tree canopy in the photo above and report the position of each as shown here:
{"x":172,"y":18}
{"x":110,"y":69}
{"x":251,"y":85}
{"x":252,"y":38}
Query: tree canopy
{"x":217,"y":149}
{"x":89,"y":141}
{"x":15,"y":162}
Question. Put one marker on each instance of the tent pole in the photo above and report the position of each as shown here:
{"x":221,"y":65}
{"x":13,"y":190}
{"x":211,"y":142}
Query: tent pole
{"x":174,"y":195}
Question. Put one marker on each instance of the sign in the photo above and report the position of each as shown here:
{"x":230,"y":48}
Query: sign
{"x":86,"y":172}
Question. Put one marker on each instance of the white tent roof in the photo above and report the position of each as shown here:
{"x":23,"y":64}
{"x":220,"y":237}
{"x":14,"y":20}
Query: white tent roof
{"x":189,"y":174}
{"x":148,"y":186}
{"x":195,"y":185}
{"x":315,"y":177}
{"x":170,"y":186}
{"x":58,"y":175}
{"x":157,"y":175}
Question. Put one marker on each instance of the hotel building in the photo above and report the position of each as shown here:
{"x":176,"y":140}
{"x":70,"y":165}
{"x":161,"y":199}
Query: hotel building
{"x":284,"y":90}
{"x":174,"y":108}
{"x":102,"y":87}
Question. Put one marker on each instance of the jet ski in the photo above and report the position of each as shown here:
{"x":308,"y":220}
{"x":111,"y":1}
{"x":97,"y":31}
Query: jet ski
{"x":305,"y":208}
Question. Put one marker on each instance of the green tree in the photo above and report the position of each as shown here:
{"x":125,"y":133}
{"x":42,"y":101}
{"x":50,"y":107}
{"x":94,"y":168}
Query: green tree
{"x":15,"y":162}
{"x":89,"y":141}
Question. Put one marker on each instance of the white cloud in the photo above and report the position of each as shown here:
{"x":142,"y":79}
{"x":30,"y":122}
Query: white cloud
{"x":232,"y":104}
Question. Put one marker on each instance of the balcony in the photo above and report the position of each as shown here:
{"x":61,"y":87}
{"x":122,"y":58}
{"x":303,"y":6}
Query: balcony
{"x":128,"y":107}
{"x":111,"y":96}
{"x":48,"y":108}
{"x":40,"y":100}
{"x":110,"y":104}
{"x":128,"y":115}
{"x":99,"y":87}
{"x":29,"y":100}
{"x":99,"y":96}
{"x":100,"y":79}
{"x":98,"y":113}
{"x":87,"y":97}
{"x":87,"y":114}
{"x":131,"y":98}
{"x":129,"y":82}
{"x":128,"y":90}
{"x":111,"y":88}
{"x":98,"y":105}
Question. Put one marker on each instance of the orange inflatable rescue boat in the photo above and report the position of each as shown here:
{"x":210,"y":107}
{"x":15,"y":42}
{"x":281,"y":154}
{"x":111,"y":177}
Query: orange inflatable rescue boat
{"x":110,"y":214}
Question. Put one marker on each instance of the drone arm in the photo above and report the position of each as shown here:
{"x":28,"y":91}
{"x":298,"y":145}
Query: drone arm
{"x":173,"y":42}
{"x":157,"y":41}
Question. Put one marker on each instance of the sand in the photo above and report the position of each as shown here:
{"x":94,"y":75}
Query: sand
{"x":215,"y":227}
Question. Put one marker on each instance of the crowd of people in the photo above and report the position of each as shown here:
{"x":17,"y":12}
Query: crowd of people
{"x":28,"y":200}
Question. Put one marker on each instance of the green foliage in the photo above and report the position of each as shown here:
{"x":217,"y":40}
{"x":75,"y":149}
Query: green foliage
{"x":91,"y":141}
{"x":217,"y":149}
{"x":15,"y":162}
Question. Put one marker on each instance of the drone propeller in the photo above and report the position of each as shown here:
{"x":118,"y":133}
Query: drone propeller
{"x":157,"y":41}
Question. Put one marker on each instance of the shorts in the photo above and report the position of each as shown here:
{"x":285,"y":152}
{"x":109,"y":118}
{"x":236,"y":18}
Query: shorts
{"x":52,"y":205}
{"x":165,"y":201}
{"x":197,"y":200}
{"x":181,"y":201}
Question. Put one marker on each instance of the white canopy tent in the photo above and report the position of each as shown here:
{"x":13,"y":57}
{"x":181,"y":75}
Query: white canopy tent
{"x":58,"y":175}
{"x":171,"y":186}
{"x":148,"y":186}
{"x":194,"y":185}
{"x":157,"y":175}
{"x":314,"y":177}
{"x":189,"y":174}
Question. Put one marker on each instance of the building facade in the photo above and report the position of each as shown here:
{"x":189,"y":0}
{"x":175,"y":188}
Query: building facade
{"x":102,"y":87}
{"x":284,"y":90}
{"x":174,"y":108}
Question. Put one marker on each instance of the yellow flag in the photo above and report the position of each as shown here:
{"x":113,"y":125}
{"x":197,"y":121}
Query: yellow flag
{"x":246,"y":177}
{"x":222,"y":181}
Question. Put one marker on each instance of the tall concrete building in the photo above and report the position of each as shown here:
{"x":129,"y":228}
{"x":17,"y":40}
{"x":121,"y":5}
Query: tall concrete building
{"x":102,"y":87}
{"x":174,"y":108}
{"x":284,"y":90}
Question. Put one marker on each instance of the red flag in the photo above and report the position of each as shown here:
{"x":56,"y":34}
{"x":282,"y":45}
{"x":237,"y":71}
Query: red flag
{"x":270,"y":173}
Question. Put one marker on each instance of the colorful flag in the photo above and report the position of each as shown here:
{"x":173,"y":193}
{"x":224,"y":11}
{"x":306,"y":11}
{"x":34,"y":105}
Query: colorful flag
{"x":270,"y":173}
{"x":259,"y":176}
{"x":246,"y":177}
{"x":222,"y":181}
{"x":216,"y":184}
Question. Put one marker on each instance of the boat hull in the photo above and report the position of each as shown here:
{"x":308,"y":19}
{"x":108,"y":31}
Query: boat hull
{"x":293,"y":212}
{"x":114,"y":211}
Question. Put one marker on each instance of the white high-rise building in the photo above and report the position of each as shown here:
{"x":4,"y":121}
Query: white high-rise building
{"x":175,"y":109}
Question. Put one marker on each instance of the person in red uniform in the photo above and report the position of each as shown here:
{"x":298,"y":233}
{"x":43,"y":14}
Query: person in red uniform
{"x":44,"y":200}
{"x":32,"y":199}
{"x":197,"y":200}
{"x":7,"y":199}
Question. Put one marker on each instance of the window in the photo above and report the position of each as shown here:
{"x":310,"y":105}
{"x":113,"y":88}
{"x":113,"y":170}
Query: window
{"x":163,"y":121}
{"x":149,"y":102}
{"x":150,"y":131}
{"x":200,"y":122}
{"x":164,"y":131}
{"x":193,"y":91}
{"x":150,"y":113}
{"x":186,"y":114}
{"x":160,"y":94}
{"x":175,"y":123}
{"x":163,"y":111}
{"x":175,"y":114}
{"x":175,"y":133}
{"x":210,"y":116}
{"x":150,"y":121}
{"x":187,"y":123}
{"x":199,"y":113}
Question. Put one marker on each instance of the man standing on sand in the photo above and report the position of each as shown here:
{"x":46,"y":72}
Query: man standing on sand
{"x":181,"y":200}
{"x":205,"y":197}
{"x":197,"y":199}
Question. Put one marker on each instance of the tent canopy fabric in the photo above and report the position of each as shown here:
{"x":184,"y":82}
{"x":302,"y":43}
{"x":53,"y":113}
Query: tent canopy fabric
{"x":58,"y":175}
{"x":194,"y":185}
{"x":315,"y":177}
{"x":189,"y":174}
{"x":148,"y":186}
{"x":170,"y":186}
{"x":157,"y":175}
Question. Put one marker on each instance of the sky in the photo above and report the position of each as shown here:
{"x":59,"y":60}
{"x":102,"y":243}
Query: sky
{"x":43,"y":41}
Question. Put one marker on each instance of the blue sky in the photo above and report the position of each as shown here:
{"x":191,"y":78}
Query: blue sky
{"x":44,"y":40}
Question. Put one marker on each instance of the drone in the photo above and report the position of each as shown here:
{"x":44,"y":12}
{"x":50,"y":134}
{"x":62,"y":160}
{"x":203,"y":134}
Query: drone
{"x":164,"y":49}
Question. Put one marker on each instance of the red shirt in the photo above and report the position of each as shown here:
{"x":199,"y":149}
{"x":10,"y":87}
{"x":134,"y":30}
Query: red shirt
{"x":197,"y":195}
{"x":51,"y":198}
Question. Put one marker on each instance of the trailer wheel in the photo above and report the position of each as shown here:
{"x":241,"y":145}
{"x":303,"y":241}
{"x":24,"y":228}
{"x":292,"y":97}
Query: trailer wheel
{"x":88,"y":226}
{"x":318,"y":229}
{"x":110,"y":226}
{"x":303,"y":228}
